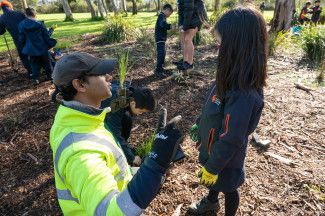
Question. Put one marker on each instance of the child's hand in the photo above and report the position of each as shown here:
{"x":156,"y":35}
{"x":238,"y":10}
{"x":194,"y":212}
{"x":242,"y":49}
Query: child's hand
{"x":137,"y":161}
{"x":206,"y":178}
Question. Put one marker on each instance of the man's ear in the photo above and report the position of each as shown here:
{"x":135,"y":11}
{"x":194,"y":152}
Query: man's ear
{"x":78,"y":85}
{"x":132,"y":104}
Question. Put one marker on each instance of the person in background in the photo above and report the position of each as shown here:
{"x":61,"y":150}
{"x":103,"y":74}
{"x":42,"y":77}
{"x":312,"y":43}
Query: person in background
{"x":305,"y":13}
{"x":317,"y":10}
{"x":161,"y":29}
{"x":232,"y":109}
{"x":9,"y":21}
{"x":262,"y":7}
{"x":36,"y":41}
{"x":92,"y":176}
{"x":120,"y":122}
{"x":192,"y":15}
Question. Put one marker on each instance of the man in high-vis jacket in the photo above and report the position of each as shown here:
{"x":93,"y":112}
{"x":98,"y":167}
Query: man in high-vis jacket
{"x":92,"y":176}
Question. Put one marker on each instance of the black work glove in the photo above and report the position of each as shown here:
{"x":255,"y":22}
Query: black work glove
{"x":166,"y":142}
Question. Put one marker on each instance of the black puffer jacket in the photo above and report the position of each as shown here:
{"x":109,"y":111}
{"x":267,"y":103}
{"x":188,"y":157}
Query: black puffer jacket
{"x":192,"y":13}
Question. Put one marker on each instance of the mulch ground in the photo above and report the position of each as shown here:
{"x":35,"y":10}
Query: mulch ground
{"x":293,"y":120}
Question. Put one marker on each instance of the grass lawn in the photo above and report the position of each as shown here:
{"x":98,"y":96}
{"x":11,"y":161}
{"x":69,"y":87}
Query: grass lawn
{"x":69,"y":32}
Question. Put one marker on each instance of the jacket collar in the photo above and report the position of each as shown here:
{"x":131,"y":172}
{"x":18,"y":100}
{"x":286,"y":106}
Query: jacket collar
{"x":76,"y":114}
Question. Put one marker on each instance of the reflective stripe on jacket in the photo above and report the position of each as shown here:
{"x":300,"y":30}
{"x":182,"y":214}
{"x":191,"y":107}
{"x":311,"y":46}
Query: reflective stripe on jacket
{"x":91,"y":171}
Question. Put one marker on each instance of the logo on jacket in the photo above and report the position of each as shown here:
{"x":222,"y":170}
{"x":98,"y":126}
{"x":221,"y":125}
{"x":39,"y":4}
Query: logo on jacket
{"x":152,"y":155}
{"x":161,"y":136}
{"x":215,"y":100}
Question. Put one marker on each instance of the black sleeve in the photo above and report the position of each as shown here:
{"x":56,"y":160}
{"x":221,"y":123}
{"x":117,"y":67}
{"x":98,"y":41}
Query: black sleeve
{"x":113,"y":123}
{"x":163,"y":23}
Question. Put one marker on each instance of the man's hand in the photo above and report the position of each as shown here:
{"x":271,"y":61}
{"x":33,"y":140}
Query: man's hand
{"x":206,"y":178}
{"x":167,"y":140}
{"x":137,"y":161}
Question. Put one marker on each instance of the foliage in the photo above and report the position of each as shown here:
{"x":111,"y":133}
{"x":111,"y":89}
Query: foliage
{"x":117,"y":29}
{"x":217,"y":14}
{"x":145,"y":38}
{"x":123,"y":59}
{"x":313,"y":43}
{"x":202,"y":38}
{"x":144,"y":149}
{"x":274,"y":40}
{"x":230,"y":4}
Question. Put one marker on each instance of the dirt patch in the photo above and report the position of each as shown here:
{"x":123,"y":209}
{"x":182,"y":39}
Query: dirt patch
{"x":292,"y":119}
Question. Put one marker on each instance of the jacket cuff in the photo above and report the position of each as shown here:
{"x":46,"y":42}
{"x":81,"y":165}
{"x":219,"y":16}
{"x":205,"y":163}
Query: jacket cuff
{"x":153,"y":165}
{"x":212,"y":168}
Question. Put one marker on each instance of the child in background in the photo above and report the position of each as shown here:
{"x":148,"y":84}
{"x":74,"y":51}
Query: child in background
{"x":36,"y":41}
{"x":120,"y":122}
{"x":305,"y":13}
{"x":233,"y":108}
{"x":161,"y":36}
{"x":317,"y":10}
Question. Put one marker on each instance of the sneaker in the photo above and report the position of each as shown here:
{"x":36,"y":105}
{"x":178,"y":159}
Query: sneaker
{"x":185,"y":66}
{"x":179,"y":62}
{"x":203,"y":206}
{"x":161,"y":73}
{"x":36,"y":82}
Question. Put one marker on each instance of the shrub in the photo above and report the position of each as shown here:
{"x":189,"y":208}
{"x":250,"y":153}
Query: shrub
{"x":144,"y":149}
{"x":229,"y":4}
{"x":116,"y":29}
{"x":313,"y":43}
{"x":123,"y":59}
{"x":202,"y":38}
{"x":146,"y":39}
{"x":274,"y":40}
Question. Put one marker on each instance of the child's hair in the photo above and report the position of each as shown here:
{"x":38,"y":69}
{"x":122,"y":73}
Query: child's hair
{"x":243,"y":51}
{"x":30,"y":12}
{"x":308,"y":3}
{"x":317,"y":1}
{"x":168,"y":7}
{"x":143,"y":98}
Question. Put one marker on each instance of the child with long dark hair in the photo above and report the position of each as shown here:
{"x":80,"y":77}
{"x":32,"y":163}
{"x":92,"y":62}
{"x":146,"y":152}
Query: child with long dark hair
{"x":233,"y":108}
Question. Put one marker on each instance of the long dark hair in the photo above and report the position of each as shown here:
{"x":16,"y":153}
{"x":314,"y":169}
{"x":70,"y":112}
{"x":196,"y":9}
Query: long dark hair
{"x":243,"y":53}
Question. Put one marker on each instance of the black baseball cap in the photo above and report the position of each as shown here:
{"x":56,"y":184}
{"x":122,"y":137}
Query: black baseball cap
{"x":75,"y":65}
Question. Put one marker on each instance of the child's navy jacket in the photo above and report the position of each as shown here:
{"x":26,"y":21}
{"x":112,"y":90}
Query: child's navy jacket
{"x":35,"y":37}
{"x":161,"y":28}
{"x":224,"y":127}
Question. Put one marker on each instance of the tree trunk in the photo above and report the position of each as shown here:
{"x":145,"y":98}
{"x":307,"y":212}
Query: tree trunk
{"x":67,"y":10}
{"x":91,"y":9}
{"x":158,"y":6}
{"x":283,"y":15}
{"x":104,"y":7}
{"x":24,"y":4}
{"x":217,"y":4}
{"x":134,"y":7}
{"x":123,"y":3}
{"x":100,"y":8}
{"x":115,"y":6}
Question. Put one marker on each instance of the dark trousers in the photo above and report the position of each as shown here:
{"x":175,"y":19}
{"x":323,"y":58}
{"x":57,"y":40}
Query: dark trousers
{"x":161,"y":54}
{"x":231,"y":201}
{"x":24,"y":59}
{"x":38,"y":62}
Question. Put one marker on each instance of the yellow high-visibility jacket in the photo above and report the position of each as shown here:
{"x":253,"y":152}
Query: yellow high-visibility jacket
{"x":91,"y":171}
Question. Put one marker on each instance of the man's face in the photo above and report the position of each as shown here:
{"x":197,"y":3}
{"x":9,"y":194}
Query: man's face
{"x":135,"y":110}
{"x":317,"y":3}
{"x":98,"y":87}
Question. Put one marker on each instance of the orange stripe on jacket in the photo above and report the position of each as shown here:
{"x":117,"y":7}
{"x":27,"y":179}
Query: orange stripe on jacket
{"x":226,"y":126}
